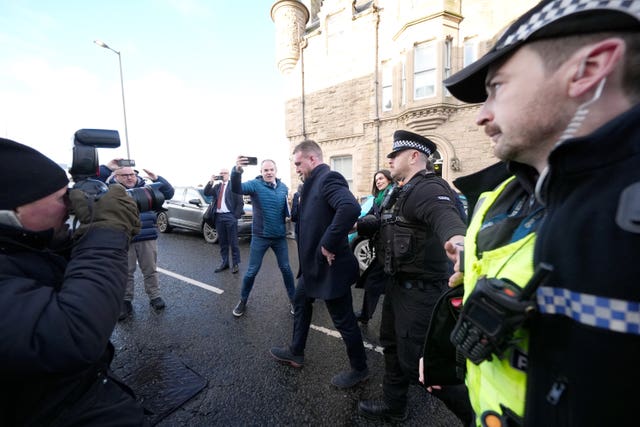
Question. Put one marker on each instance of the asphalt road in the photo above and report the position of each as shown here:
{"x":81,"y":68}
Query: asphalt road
{"x":245,"y":386}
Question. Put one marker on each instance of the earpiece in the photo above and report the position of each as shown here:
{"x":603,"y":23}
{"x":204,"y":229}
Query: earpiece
{"x":580,"y":72}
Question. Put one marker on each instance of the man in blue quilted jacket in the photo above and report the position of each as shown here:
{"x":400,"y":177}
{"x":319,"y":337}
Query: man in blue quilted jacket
{"x":270,"y":211}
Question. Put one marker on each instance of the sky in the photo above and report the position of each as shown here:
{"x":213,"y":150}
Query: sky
{"x":201,"y":84}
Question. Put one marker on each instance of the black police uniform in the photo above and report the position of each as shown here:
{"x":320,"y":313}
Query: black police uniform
{"x":411,"y":248}
{"x":584,"y":347}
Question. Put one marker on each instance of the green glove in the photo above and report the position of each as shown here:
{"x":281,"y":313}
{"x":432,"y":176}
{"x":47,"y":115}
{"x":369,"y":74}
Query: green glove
{"x":115,"y":209}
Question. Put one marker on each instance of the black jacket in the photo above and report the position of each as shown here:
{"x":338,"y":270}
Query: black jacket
{"x":427,"y":206}
{"x":58,"y":313}
{"x":584,"y":348}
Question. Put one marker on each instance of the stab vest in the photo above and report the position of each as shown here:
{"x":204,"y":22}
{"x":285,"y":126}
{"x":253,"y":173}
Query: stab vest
{"x":495,"y":385}
{"x":400,"y":241}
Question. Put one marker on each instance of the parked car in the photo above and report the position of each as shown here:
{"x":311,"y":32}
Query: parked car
{"x":186,"y":209}
{"x":360,"y":245}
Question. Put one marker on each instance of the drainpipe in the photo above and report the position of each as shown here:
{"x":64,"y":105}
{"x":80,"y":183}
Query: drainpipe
{"x":303,"y":45}
{"x":377,"y":85}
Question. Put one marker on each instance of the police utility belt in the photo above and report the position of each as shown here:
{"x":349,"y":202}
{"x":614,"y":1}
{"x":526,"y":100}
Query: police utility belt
{"x":410,"y":284}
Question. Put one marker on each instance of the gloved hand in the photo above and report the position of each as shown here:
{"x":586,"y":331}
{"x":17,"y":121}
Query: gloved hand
{"x":115,"y":209}
{"x":368,"y":225}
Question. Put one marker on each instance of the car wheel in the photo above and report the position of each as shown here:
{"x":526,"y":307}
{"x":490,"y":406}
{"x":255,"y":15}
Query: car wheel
{"x":210,"y":234}
{"x":163,"y":222}
{"x":363,"y":254}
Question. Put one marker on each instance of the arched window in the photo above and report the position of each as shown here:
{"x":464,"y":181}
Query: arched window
{"x":436,"y":159}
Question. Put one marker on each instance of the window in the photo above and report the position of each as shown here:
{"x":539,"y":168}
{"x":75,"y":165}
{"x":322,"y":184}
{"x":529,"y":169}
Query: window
{"x":343,"y":164}
{"x":387,"y":86}
{"x":446,"y":62}
{"x":424,"y":71}
{"x":191,"y":194}
{"x":470,"y":52}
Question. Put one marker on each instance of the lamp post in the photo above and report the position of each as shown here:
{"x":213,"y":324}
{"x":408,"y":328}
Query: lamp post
{"x":124,"y":109}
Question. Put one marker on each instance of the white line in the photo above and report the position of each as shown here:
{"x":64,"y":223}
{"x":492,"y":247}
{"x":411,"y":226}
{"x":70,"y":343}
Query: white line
{"x":322,"y":329}
{"x":191,"y":281}
{"x":336,"y":334}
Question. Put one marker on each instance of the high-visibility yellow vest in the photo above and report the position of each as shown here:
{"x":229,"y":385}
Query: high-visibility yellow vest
{"x":496,"y":382}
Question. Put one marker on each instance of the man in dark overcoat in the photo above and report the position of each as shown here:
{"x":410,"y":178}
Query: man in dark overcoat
{"x":328,"y":268}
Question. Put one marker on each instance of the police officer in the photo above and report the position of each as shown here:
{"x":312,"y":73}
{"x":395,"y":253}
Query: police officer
{"x":499,"y":244}
{"x":561,"y":90}
{"x":418,"y":217}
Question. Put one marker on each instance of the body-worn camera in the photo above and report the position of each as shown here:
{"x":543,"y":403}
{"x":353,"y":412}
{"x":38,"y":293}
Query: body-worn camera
{"x":85,"y":168}
{"x":492,"y":313}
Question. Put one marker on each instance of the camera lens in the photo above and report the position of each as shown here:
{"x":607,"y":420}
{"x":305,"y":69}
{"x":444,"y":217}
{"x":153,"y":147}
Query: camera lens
{"x":147,"y":198}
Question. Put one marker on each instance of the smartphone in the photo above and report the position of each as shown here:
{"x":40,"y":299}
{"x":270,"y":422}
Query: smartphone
{"x":251,"y":160}
{"x":218,"y":177}
{"x":126,"y":162}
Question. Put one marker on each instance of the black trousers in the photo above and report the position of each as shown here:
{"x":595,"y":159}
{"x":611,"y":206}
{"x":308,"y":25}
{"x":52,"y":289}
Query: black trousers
{"x":374,"y":285}
{"x":405,"y":318}
{"x":341,"y":311}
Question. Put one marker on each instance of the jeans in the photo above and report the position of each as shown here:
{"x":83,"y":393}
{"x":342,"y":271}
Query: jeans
{"x":259,"y":246}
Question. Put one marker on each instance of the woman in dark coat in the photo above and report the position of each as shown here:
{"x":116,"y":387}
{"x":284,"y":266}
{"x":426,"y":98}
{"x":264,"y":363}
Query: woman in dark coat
{"x":373,"y":280}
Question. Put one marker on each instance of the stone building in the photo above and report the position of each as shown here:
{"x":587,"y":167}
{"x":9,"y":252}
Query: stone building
{"x":356,"y":71}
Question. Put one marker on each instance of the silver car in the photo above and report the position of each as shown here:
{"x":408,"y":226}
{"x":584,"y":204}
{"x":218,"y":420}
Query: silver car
{"x":186,"y":208}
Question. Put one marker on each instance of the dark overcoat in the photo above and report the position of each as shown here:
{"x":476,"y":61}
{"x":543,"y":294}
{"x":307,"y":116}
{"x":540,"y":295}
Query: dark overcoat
{"x":327,"y":213}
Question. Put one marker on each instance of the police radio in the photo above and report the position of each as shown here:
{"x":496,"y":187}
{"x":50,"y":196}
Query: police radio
{"x":491,"y":314}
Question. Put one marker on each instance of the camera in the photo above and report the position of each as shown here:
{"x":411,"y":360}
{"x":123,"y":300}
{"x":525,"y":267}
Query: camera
{"x":218,"y":178}
{"x":85,"y":168}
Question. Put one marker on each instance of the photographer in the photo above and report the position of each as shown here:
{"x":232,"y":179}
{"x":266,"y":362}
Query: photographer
{"x":60,"y":297}
{"x":144,"y":246}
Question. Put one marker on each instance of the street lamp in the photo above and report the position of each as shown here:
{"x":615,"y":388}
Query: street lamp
{"x":124,"y":109}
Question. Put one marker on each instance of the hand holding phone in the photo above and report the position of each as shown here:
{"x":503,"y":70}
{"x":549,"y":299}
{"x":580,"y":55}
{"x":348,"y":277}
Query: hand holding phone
{"x":251,"y":160}
{"x":126,"y":163}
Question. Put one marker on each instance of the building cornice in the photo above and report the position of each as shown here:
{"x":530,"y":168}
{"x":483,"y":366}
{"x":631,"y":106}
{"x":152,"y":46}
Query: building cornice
{"x":444,"y":14}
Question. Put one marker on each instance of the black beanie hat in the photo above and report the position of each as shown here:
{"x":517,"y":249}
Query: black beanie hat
{"x":26,"y":175}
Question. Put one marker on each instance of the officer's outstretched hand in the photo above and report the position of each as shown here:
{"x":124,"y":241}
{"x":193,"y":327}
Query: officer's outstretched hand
{"x":454,"y":248}
{"x":115,"y":209}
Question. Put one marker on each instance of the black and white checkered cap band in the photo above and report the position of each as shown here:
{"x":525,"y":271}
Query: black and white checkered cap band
{"x":403,"y":143}
{"x":607,"y":313}
{"x":561,"y":8}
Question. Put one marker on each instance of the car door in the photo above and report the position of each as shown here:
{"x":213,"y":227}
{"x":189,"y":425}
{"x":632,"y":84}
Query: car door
{"x":193,"y":208}
{"x":173,"y":207}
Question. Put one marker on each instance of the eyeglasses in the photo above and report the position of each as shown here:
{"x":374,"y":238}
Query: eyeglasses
{"x":126,"y":175}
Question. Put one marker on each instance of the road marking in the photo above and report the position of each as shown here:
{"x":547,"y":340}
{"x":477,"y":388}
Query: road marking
{"x":336,"y":334}
{"x":322,"y":329}
{"x":191,"y":281}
